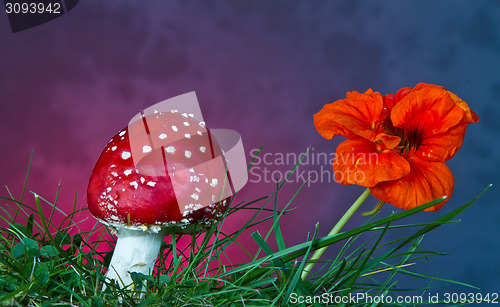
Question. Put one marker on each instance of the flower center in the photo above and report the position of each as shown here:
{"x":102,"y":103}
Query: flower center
{"x":410,"y":139}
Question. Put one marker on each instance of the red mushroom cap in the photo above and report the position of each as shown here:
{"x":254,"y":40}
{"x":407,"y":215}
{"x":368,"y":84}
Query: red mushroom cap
{"x":163,"y":170}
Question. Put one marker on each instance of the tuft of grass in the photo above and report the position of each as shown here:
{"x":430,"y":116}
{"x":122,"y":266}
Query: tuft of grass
{"x":48,"y":264}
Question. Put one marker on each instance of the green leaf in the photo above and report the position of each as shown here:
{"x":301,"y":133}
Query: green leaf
{"x":148,"y":301}
{"x":20,"y":229}
{"x":26,"y":246}
{"x":62,"y":238}
{"x":96,"y":301}
{"x":15,"y":292}
{"x":48,"y":251}
{"x":136,"y":276}
{"x":201,"y":288}
{"x":77,"y":239}
{"x":30,"y":243}
{"x":42,"y":274}
{"x":18,"y":250}
{"x":364,"y":267}
{"x":164,"y":279}
{"x":29,"y":225}
{"x":277,"y":261}
{"x":277,"y":229}
{"x":297,"y":277}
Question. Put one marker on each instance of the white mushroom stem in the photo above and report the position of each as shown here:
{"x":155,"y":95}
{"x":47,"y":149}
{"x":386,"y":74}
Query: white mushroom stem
{"x":135,"y":251}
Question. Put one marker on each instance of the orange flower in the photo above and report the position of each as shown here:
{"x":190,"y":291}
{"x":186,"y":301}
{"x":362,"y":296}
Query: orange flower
{"x":397,"y":144}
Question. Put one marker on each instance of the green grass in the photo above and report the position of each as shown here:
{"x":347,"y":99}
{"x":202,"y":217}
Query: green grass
{"x":44,"y":264}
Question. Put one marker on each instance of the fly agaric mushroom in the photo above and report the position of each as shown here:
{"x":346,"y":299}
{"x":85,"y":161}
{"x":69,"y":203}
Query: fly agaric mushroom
{"x":164,"y":173}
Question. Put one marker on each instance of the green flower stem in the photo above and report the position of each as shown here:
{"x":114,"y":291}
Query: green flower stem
{"x":375,"y":210}
{"x":317,"y":254}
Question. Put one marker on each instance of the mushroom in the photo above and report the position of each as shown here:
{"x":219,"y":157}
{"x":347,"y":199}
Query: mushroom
{"x":163,"y":173}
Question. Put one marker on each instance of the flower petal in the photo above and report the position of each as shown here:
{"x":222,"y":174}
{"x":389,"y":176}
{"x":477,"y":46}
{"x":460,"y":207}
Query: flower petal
{"x":390,"y":100}
{"x":356,"y":115}
{"x":402,"y":94}
{"x":469,"y":114}
{"x":361,"y":162}
{"x":429,"y":102}
{"x":431,"y":118}
{"x":390,"y":141}
{"x":423,"y":85}
{"x":442,"y":147}
{"x":325,"y":122}
{"x":425,"y":182}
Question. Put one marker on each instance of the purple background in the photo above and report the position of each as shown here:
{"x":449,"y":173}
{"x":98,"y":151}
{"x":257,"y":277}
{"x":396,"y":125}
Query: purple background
{"x":262,"y":68}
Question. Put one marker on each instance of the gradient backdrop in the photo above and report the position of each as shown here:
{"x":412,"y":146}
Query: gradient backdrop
{"x":262,"y":68}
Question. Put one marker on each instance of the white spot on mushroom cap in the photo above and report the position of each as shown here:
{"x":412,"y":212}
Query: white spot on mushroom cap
{"x":214,"y":182}
{"x":186,"y":124}
{"x":108,"y":190}
{"x":114,"y":218}
{"x":122,"y":133}
{"x":151,"y":183}
{"x":128,"y":172}
{"x":115,"y":174}
{"x":187,"y":153}
{"x":195,"y":196}
{"x":202,"y":124}
{"x":143,"y":180}
{"x":134,"y":184}
{"x":187,"y":136}
{"x":126,"y":155}
{"x":162,"y":136}
{"x":175,"y":128}
{"x":155,"y":229}
{"x":202,"y":148}
{"x":146,"y":148}
{"x":199,"y":132}
{"x":113,"y":148}
{"x":170,"y":149}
